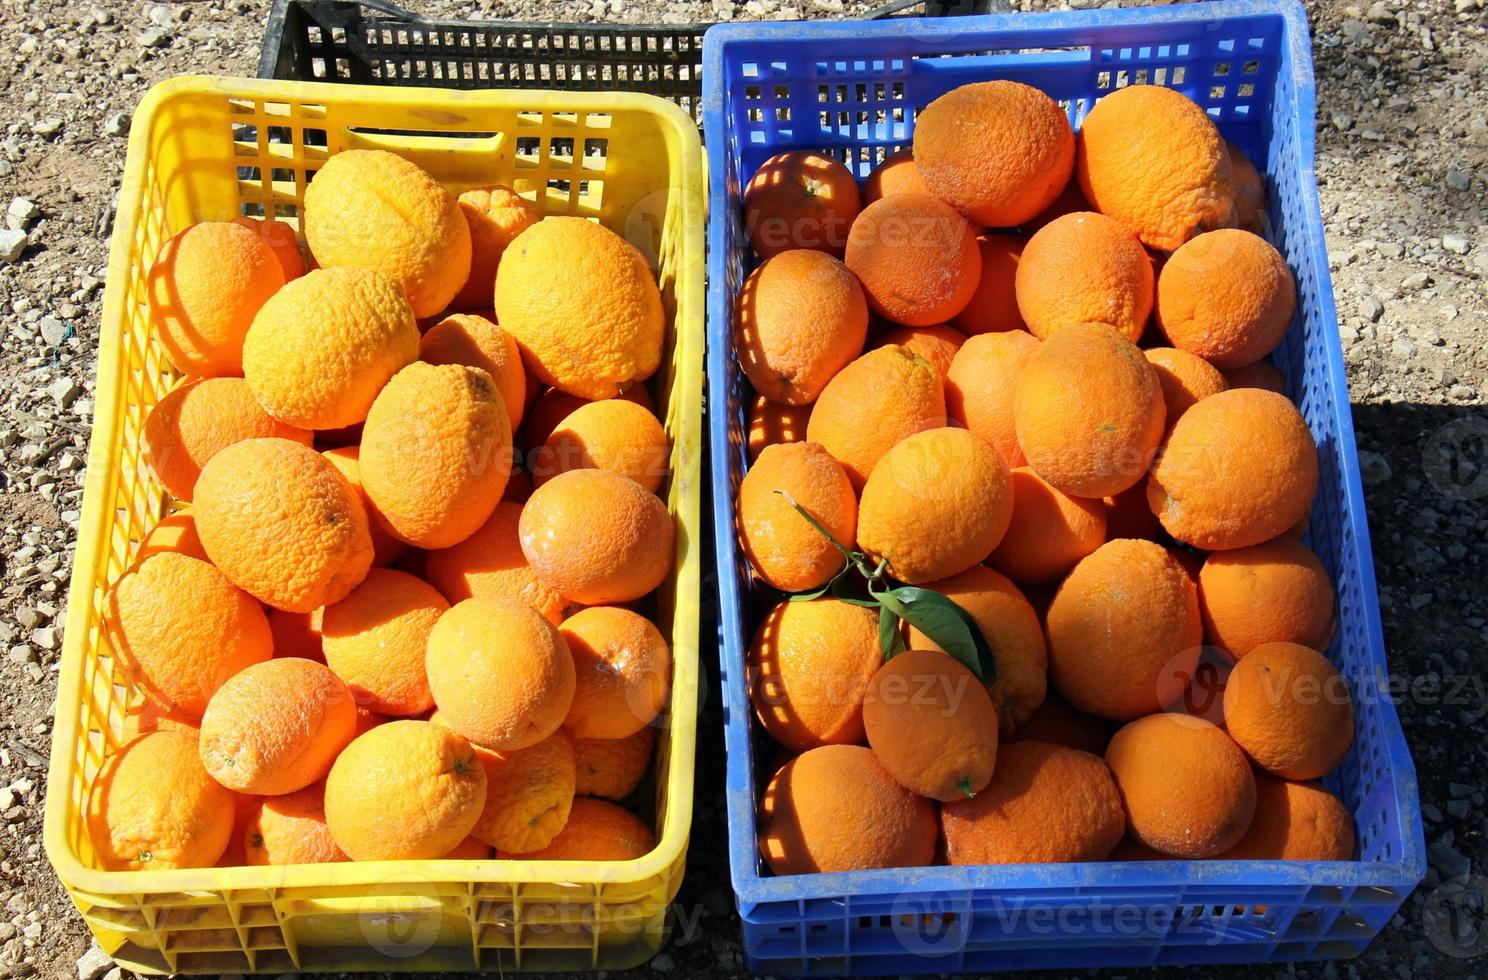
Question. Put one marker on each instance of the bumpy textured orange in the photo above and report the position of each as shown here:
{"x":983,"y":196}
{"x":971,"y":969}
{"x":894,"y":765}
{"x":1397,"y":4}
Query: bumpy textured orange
{"x":596,"y":537}
{"x":613,"y":767}
{"x":800,"y":200}
{"x":937,"y":344}
{"x":181,"y":629}
{"x":297,"y":634}
{"x":153,"y":807}
{"x":614,"y":435}
{"x":370,"y":209}
{"x":1013,"y":631}
{"x":280,"y":237}
{"x":386,"y":549}
{"x":1249,"y":190}
{"x":980,"y":386}
{"x":999,"y":152}
{"x":407,"y":790}
{"x":1290,"y":710}
{"x":1085,"y":268}
{"x":1056,"y":721}
{"x":490,"y":564}
{"x":800,"y":318}
{"x":283,"y":524}
{"x":529,"y":793}
{"x":809,"y":664}
{"x":916,"y":257}
{"x":436,"y":453}
{"x":291,"y":829}
{"x":597,"y":830}
{"x":553,"y":406}
{"x":771,"y":424}
{"x":936,"y":504}
{"x":1188,"y":788}
{"x":1226,"y":296}
{"x":1046,"y":803}
{"x":375,"y":640}
{"x":1050,"y":531}
{"x":1272,"y":592}
{"x":782,"y":546}
{"x":932,"y":725}
{"x":204,"y":288}
{"x":1261,"y":374}
{"x":188,"y":426}
{"x":277,"y":726}
{"x":323,"y":346}
{"x":1239,"y":468}
{"x":174,"y":533}
{"x":1124,"y":631}
{"x":1185,"y":378}
{"x":836,"y":808}
{"x":502,"y":675}
{"x":496,"y":216}
{"x":583,"y":306}
{"x":896,"y":175}
{"x":476,"y":341}
{"x":1088,"y":410}
{"x":1153,"y":160}
{"x":877,"y":400}
{"x":1295,"y":822}
{"x":994,"y":304}
{"x":622,"y":672}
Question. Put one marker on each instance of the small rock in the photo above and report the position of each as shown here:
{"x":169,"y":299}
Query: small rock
{"x":1459,"y":791}
{"x":662,"y":963}
{"x":161,"y":15}
{"x":154,"y":37}
{"x":1421,"y":600}
{"x":20,"y":655}
{"x":1342,"y":122}
{"x":1414,"y":281}
{"x":1448,"y":312}
{"x":1445,"y":858}
{"x":13,"y":242}
{"x":22,"y":212}
{"x":1374,"y":469}
{"x":1355,"y":32}
{"x":1459,"y":809}
{"x":1456,"y":243}
{"x":64,"y":391}
{"x":35,"y":929}
{"x":49,"y":126}
{"x":28,"y":617}
{"x":1458,"y":181}
{"x":7,"y":931}
{"x":1371,"y":309}
{"x":1391,"y":250}
{"x":93,"y":964}
{"x":1461,"y":393}
{"x":1379,"y":13}
{"x":53,"y":331}
{"x":1431,"y":813}
{"x":46,"y":637}
{"x":117,"y":124}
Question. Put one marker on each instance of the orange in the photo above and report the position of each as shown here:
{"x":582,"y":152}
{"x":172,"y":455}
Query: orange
{"x":502,"y":675}
{"x":436,"y":453}
{"x":204,"y":289}
{"x":613,"y":767}
{"x":553,"y":406}
{"x":1153,"y":160}
{"x":150,"y":716}
{"x":597,"y":830}
{"x":1272,"y":592}
{"x":782,"y":546}
{"x":1290,"y":710}
{"x":1185,"y":378}
{"x":470,"y":849}
{"x":280,"y":237}
{"x":283,"y":524}
{"x":937,"y":344}
{"x":936,"y":504}
{"x":375,"y":639}
{"x":277,"y":726}
{"x":153,"y":807}
{"x":999,"y":152}
{"x":874,"y":402}
{"x":1226,"y":296}
{"x":916,"y":257}
{"x":582,"y":305}
{"x":596,"y":537}
{"x":1239,"y":468}
{"x":800,"y":318}
{"x":1049,"y":531}
{"x":245,"y":808}
{"x":622,"y":672}
{"x":1296,"y":821}
{"x":297,"y":634}
{"x":771,"y":423}
{"x":475,"y":340}
{"x":181,"y":629}
{"x":323,"y":346}
{"x":836,"y":808}
{"x":1055,"y":721}
{"x":1088,"y":410}
{"x":1123,"y":627}
{"x":370,"y":209}
{"x":1085,"y":268}
{"x":896,"y":175}
{"x":407,"y":790}
{"x":347,"y":460}
{"x":174,"y":532}
{"x":490,"y":564}
{"x":980,"y":386}
{"x":614,"y":435}
{"x":197,"y":419}
{"x":1046,"y":803}
{"x":1187,"y":786}
{"x":1128,"y":516}
{"x":809,"y":665}
{"x":1261,"y":374}
{"x":800,"y":200}
{"x":291,"y":829}
{"x":994,"y":303}
{"x":1249,"y":190}
{"x":496,"y":216}
{"x":529,"y":793}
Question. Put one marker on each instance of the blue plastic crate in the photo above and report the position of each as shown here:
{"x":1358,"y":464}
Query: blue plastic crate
{"x":852,"y":90}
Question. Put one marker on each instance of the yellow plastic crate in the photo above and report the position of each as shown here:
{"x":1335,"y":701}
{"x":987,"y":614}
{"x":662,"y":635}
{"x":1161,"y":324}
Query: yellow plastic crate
{"x":211,"y":149}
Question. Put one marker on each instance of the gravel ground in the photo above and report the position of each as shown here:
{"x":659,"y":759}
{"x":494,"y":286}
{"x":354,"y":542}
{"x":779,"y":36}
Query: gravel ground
{"x":1402,"y":148}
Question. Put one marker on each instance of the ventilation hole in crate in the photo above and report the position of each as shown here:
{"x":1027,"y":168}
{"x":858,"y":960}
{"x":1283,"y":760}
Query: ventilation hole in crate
{"x":756,"y":115}
{"x":281,"y":174}
{"x":286,"y":211}
{"x":1123,"y":78}
{"x":1159,"y":76}
{"x":560,"y":147}
{"x":529,"y":146}
{"x":1227,"y":45}
{"x":252,"y":209}
{"x":317,"y":67}
{"x":1256,"y":44}
{"x":1245,"y":90}
{"x":782,"y":91}
{"x":343,"y":68}
{"x":314,"y":137}
{"x":823,"y":93}
{"x":563,"y":187}
{"x":1221,"y":69}
{"x":782,"y":113}
{"x":250,"y":174}
{"x":1251,"y":67}
{"x":1103,"y":80}
{"x":312,"y":33}
{"x":338,"y":35}
{"x":1216,"y":91}
{"x":1140,"y":78}
{"x":241,"y":107}
{"x":860,"y":92}
{"x":840,"y":91}
{"x":1180,"y":72}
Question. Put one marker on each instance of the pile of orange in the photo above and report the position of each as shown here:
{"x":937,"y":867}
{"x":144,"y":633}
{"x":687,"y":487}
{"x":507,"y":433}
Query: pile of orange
{"x":386,"y":619}
{"x":1025,"y":368}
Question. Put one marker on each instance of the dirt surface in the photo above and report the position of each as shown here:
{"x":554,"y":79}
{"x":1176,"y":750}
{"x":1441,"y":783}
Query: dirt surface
{"x":1402,"y":149}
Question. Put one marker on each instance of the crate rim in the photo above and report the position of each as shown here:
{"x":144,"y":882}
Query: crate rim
{"x":750,"y":886}
{"x":671,"y":844}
